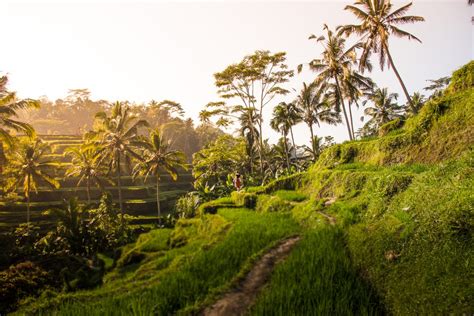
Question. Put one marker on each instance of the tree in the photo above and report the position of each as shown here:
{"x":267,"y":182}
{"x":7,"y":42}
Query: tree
{"x":71,"y":227}
{"x":116,"y":137}
{"x":315,"y":109}
{"x":417,"y":102}
{"x":384,"y":108}
{"x":281,"y":123}
{"x":379,"y":22}
{"x":213,"y":164}
{"x":159,"y":157}
{"x":255,"y":82}
{"x":9,"y":107}
{"x":437,"y":86}
{"x":85,"y":166}
{"x":333,"y":67}
{"x":30,"y":169}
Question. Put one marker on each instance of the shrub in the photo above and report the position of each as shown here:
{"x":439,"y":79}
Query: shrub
{"x":187,"y":205}
{"x":268,"y":203}
{"x":21,"y":280}
{"x":245,"y":199}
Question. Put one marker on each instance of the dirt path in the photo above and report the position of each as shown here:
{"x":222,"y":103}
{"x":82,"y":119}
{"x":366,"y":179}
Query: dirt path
{"x":239,"y":299}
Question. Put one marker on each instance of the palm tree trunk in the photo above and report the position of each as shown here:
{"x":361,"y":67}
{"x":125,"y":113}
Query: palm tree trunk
{"x":119,"y":183}
{"x":343,"y":107}
{"x":88,"y":192}
{"x":398,"y":75}
{"x":312,"y":141}
{"x":352,"y":121}
{"x":28,"y":185}
{"x":286,"y":152}
{"x":260,"y":140}
{"x":158,"y":198}
{"x":293,"y":141}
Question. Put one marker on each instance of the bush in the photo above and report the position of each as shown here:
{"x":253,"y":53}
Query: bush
{"x":245,"y":199}
{"x":21,"y":280}
{"x":268,"y":203}
{"x":187,"y":205}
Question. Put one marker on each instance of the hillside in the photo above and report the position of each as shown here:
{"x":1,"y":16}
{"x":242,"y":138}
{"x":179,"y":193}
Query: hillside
{"x":386,"y":226}
{"x":139,"y":194}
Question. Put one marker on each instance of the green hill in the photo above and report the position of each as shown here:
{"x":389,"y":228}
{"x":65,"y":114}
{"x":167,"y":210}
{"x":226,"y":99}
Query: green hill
{"x":386,"y":225}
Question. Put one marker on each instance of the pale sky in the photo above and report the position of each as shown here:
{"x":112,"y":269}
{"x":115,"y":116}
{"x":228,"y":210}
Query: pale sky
{"x":145,"y":50}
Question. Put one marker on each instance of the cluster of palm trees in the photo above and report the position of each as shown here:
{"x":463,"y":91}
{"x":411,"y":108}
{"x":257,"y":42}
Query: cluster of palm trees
{"x":340,"y":83}
{"x":115,"y":144}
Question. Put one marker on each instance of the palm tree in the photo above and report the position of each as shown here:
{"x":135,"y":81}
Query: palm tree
{"x":30,"y":169}
{"x":334,"y":66}
{"x":378,"y":23}
{"x":293,"y":117}
{"x":9,"y":105}
{"x":85,"y":165}
{"x":116,"y":138}
{"x":354,"y":87}
{"x":282,"y":124}
{"x":437,"y":86}
{"x":315,"y":108}
{"x":158,"y":156}
{"x":384,"y":108}
{"x":417,"y":102}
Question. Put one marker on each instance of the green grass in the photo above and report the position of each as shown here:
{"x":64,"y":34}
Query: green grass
{"x":191,"y":277}
{"x":317,"y":278}
{"x":292,"y":196}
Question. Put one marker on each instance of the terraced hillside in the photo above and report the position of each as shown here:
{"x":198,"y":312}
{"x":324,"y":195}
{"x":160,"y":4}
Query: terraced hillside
{"x":139,"y":195}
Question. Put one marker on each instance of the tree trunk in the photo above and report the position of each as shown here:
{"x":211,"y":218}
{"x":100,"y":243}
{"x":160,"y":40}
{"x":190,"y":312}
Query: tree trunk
{"x":88,"y":192}
{"x":293,"y":141}
{"x":158,"y":198}
{"x":260,"y":140}
{"x":352,"y":121}
{"x":119,"y":183}
{"x":286,"y":152}
{"x":313,"y":145}
{"x":343,"y":107}
{"x":398,"y":76}
{"x":28,"y":205}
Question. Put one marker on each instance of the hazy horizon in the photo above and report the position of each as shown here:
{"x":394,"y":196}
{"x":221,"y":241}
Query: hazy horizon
{"x":161,"y":50}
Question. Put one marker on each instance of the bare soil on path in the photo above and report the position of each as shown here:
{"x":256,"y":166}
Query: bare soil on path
{"x":238,"y":300}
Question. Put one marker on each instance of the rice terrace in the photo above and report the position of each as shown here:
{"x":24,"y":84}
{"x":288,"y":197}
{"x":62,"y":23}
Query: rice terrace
{"x":237,"y":158}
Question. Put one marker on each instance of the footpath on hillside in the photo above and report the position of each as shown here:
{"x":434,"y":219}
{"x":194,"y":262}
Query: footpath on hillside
{"x":240,"y":298}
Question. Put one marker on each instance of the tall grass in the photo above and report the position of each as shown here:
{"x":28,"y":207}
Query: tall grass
{"x":195,"y":277}
{"x":317,"y":279}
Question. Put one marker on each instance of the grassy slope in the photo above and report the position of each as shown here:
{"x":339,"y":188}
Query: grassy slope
{"x":181,"y":278}
{"x":406,"y":203}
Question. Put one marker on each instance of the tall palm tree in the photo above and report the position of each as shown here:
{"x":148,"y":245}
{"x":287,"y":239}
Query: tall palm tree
{"x":85,"y":166}
{"x":315,"y":108}
{"x":417,"y":102}
{"x":335,"y":64}
{"x":159,"y":157}
{"x":9,"y":106}
{"x":384,"y":108}
{"x":116,"y":138}
{"x":30,"y":169}
{"x":280,"y":123}
{"x":378,"y":23}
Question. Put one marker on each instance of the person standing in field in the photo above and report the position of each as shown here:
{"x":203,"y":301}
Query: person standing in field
{"x":238,"y":183}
